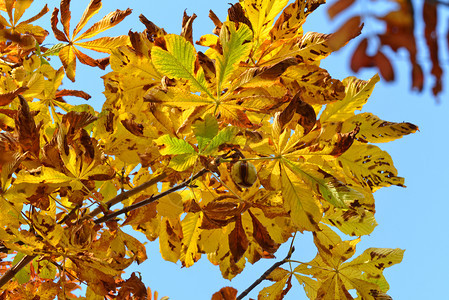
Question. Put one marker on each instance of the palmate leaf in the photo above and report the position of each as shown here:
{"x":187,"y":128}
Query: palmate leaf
{"x":335,"y":277}
{"x":191,"y":231}
{"x":106,"y":44}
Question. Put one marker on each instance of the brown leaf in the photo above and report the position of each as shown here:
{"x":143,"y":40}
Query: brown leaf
{"x":81,"y":94}
{"x":187,"y":22}
{"x":261,"y":235}
{"x":237,"y":14}
{"x":384,"y":65}
{"x":60,"y":36}
{"x":134,"y":287}
{"x":417,"y":77}
{"x":430,"y":17}
{"x":238,"y":242}
{"x":359,"y":58}
{"x":65,"y":16}
{"x":338,"y":6}
{"x":226,"y":293}
{"x":7,"y":98}
{"x":344,"y":141}
{"x":26,"y":129}
{"x":276,"y":70}
{"x":133,"y":127}
{"x":152,"y":31}
{"x":76,"y":120}
{"x":218,"y":24}
{"x":43,"y":11}
{"x":345,"y":33}
{"x":84,"y":59}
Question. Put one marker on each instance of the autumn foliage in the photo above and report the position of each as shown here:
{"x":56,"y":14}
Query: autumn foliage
{"x":174,"y":123}
{"x":390,"y":32}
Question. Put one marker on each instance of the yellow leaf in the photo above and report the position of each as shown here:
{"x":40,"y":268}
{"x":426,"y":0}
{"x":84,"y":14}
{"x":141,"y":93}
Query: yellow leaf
{"x":191,"y":232}
{"x":170,"y":236}
{"x":92,"y":9}
{"x":369,"y":166}
{"x":108,"y":21}
{"x":261,"y":14}
{"x":68,"y":59}
{"x":375,"y":130}
{"x":357,"y":94}
{"x":105,"y":44}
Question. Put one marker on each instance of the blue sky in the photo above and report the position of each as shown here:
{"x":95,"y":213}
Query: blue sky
{"x":413,"y":218}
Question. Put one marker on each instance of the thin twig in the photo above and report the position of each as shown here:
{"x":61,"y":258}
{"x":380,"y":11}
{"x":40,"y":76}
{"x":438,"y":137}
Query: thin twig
{"x":151,"y":199}
{"x":125,"y":195}
{"x":266,"y":274}
{"x":15,"y":269}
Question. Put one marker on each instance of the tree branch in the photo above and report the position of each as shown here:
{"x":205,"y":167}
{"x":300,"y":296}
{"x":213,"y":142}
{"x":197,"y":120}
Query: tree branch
{"x":125,"y":195}
{"x":265,"y":275}
{"x":152,"y":198}
{"x":15,"y":269}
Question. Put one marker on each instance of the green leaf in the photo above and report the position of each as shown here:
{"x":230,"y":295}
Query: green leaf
{"x":171,"y":145}
{"x":23,"y":276}
{"x":47,"y":270}
{"x":236,"y":46}
{"x":177,"y":61}
{"x":54,"y":50}
{"x":205,"y":130}
{"x":183,"y":162}
{"x":224,"y":136}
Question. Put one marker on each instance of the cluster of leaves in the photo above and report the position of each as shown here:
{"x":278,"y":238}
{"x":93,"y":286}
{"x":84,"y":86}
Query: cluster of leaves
{"x":179,"y":117}
{"x":398,"y":31}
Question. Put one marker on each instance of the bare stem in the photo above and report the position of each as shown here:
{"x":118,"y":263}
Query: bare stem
{"x":151,"y":199}
{"x":265,"y":275}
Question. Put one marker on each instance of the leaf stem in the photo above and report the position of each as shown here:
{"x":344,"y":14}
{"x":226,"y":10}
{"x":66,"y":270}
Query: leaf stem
{"x":266,"y":274}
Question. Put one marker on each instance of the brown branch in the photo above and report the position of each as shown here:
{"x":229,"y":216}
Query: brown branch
{"x":125,"y":195}
{"x":151,"y":199}
{"x":15,"y":269}
{"x":265,"y":275}
{"x":28,"y":258}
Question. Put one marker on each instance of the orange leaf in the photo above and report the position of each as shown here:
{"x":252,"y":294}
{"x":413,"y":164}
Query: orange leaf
{"x":84,"y":59}
{"x":92,"y":9}
{"x":359,"y":58}
{"x":384,"y":66}
{"x":108,"y":21}
{"x":430,"y":17}
{"x":75,"y":93}
{"x":261,"y":235}
{"x":65,"y":16}
{"x":68,"y":59}
{"x":338,"y":6}
{"x":238,"y":242}
{"x":7,"y":98}
{"x":43,"y":11}
{"x":417,"y":77}
{"x":60,"y":36}
{"x":345,"y":33}
{"x":226,"y":293}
